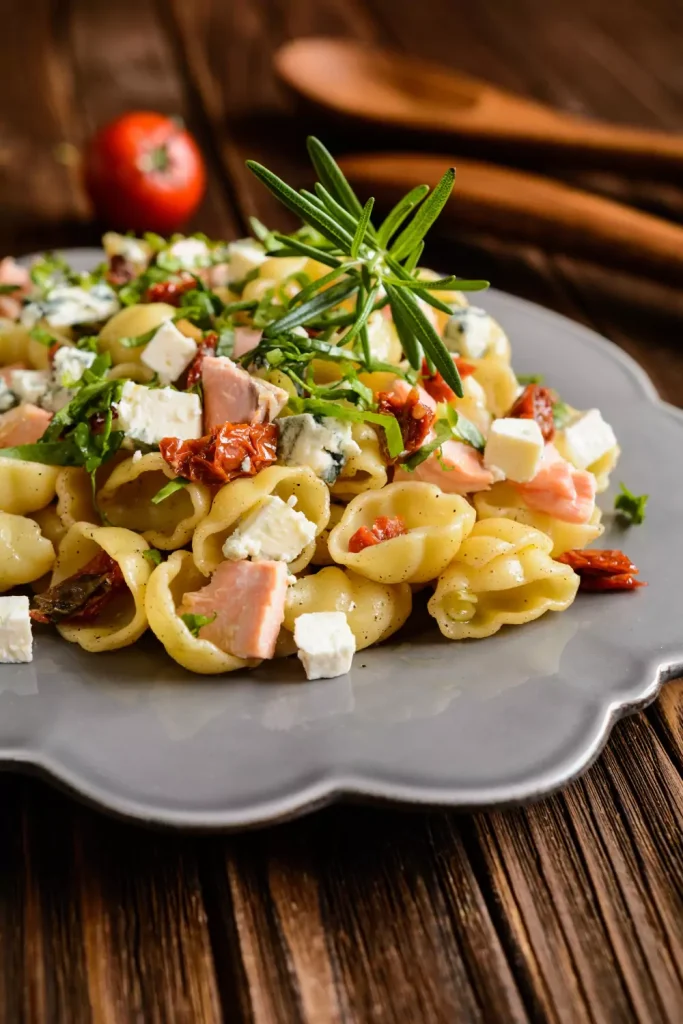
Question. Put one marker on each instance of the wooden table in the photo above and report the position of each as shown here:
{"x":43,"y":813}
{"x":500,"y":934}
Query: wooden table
{"x":571,"y":910}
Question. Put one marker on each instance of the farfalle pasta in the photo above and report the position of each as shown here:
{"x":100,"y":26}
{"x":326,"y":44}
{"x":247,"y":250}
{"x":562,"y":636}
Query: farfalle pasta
{"x":435,"y":526}
{"x":503,"y":575}
{"x":266,"y":447}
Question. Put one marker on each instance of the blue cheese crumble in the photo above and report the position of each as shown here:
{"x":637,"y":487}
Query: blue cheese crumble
{"x":324,"y":444}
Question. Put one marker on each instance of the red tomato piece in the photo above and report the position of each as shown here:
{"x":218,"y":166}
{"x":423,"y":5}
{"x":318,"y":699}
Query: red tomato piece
{"x":436,"y":386}
{"x":536,"y":403}
{"x":414,"y":418}
{"x":82,"y":596}
{"x":230,"y":451}
{"x":383,"y":528}
{"x":144,"y":171}
{"x":170,"y":291}
{"x":602,"y":570}
{"x":206,"y":348}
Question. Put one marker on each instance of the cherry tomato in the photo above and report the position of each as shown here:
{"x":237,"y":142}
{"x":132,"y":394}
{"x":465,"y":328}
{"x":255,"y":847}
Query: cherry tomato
{"x":144,"y":172}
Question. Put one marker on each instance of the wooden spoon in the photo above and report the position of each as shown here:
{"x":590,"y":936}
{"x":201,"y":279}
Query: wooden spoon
{"x":528,"y":207}
{"x":379,"y":86}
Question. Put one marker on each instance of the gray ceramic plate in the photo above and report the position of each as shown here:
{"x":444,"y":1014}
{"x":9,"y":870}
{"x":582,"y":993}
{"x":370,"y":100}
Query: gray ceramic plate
{"x":417,"y":721}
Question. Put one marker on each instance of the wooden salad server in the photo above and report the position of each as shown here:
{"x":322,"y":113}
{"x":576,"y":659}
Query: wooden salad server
{"x":527,"y":207}
{"x":389,"y":88}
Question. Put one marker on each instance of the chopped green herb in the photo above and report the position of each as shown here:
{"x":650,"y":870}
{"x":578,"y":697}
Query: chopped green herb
{"x":42,"y":336}
{"x":530,"y":378}
{"x":153,"y":556}
{"x":195,"y":622}
{"x":170,"y":488}
{"x":318,"y":407}
{"x":442,"y":433}
{"x":631,"y":507}
{"x":562,"y":414}
{"x":8,"y":289}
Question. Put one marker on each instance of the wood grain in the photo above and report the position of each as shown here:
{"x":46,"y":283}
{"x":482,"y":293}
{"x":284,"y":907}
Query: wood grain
{"x":567,"y":911}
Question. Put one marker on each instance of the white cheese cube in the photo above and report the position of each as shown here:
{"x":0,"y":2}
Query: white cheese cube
{"x":244,"y":256}
{"x":468,"y":332}
{"x":586,"y":439}
{"x":325,"y":642}
{"x":272,"y":530}
{"x":147,"y":414}
{"x":7,"y":397}
{"x":29,"y":385}
{"x":323,"y":445}
{"x":381,"y":337}
{"x":16,"y":640}
{"x":514,"y":447}
{"x":169,"y":353}
{"x":67,"y":305}
{"x":191,"y":253}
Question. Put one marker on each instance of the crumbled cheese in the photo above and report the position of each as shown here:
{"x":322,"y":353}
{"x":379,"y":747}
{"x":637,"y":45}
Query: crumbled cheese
{"x":137,"y":455}
{"x":244,"y":256}
{"x":169,"y":353}
{"x":468,"y":332}
{"x":7,"y":397}
{"x":586,"y":439}
{"x":16,"y":640}
{"x":66,"y":305}
{"x":69,"y":365}
{"x":272,"y":530}
{"x":514,"y":448}
{"x":325,"y":642}
{"x":191,"y":253}
{"x":29,"y":385}
{"x":147,"y":414}
{"x":323,"y":445}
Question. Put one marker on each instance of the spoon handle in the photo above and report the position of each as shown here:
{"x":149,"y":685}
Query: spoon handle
{"x":530,"y":208}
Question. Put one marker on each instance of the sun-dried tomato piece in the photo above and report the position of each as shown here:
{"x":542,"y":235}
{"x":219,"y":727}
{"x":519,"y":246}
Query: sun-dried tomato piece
{"x":229,"y":451}
{"x":414,"y":419}
{"x":206,"y":348}
{"x":536,"y":403}
{"x":170,"y":291}
{"x":82,"y":596}
{"x":383,"y":528}
{"x":120,"y":270}
{"x":436,"y":386}
{"x":602,"y":570}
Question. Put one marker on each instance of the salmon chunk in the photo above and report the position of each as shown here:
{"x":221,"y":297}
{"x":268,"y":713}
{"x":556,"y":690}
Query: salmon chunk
{"x":25,"y":424}
{"x":12,"y":273}
{"x":231,"y":395}
{"x":246,"y":338}
{"x":248,"y":600}
{"x":459,"y":469}
{"x":560,"y":490}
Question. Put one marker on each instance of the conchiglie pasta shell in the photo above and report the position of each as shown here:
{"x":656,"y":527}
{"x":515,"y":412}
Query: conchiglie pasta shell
{"x":436,"y":522}
{"x":126,"y":500}
{"x":25,"y":554}
{"x":373,"y":610}
{"x":26,"y":486}
{"x":499,"y":384}
{"x":124,"y":620}
{"x":365,"y":470}
{"x":502,"y":575}
{"x":322,"y":555}
{"x":50,"y":523}
{"x":504,"y":501}
{"x":137,"y":372}
{"x":14,"y":339}
{"x":169,"y":581}
{"x":236,"y":498}
{"x":130,"y":323}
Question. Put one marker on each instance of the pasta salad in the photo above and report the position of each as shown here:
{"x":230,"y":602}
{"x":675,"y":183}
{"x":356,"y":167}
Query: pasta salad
{"x":268,"y":446}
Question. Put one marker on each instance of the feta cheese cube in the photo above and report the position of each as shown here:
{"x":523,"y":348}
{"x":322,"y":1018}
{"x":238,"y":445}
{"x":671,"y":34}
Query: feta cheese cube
{"x":169,"y":353}
{"x":323,"y":445}
{"x":468,"y":332}
{"x":586,"y":439}
{"x":29,"y":385}
{"x":147,"y":415}
{"x":244,"y":256}
{"x":190,"y":253}
{"x":514,"y":447}
{"x":7,"y":397}
{"x":325,"y":642}
{"x":272,"y":530}
{"x":16,"y":640}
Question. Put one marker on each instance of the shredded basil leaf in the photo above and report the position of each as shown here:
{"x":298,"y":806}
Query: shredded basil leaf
{"x":170,"y":488}
{"x":631,"y":507}
{"x":153,"y":556}
{"x":195,"y":622}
